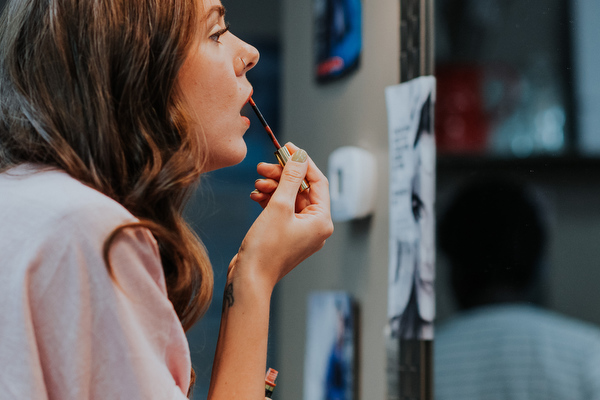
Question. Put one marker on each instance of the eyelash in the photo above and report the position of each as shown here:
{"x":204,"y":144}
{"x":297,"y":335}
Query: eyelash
{"x":417,"y":207}
{"x":217,"y":35}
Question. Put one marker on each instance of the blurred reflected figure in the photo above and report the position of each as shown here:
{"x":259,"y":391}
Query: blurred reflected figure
{"x":502,"y":345}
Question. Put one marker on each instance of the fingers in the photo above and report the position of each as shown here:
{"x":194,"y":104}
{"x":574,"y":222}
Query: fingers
{"x":291,"y":178}
{"x":314,"y":174}
{"x":319,"y":185}
{"x":263,"y":191}
{"x":269,"y":171}
{"x":266,"y":185}
{"x":260,"y":198}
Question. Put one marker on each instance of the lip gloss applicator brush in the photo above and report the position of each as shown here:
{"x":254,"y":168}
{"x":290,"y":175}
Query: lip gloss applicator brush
{"x":282,"y":153}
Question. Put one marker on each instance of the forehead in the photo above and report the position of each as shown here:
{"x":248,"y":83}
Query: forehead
{"x":211,"y":9}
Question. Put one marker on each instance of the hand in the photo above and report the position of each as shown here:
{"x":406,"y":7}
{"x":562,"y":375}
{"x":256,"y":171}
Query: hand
{"x":265,"y":187}
{"x":292,"y":225}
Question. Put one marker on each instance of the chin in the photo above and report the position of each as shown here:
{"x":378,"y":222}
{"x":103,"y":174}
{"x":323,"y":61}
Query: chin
{"x":240,"y":154}
{"x":239,"y":159}
{"x":231,"y":158}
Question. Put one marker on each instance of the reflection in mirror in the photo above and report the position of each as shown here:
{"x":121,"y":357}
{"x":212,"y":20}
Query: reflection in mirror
{"x":504,"y":77}
{"x":502,"y":342}
{"x":517,"y":80}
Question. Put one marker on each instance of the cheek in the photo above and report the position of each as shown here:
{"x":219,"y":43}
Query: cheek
{"x":215,"y":97}
{"x":209,"y":80}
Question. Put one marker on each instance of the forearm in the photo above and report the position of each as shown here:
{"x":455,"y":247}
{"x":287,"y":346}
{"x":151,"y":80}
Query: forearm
{"x":298,"y":223}
{"x":240,"y":359}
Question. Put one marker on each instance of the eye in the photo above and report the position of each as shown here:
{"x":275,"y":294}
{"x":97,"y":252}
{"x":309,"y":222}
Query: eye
{"x":417,"y":207}
{"x":217,"y":35}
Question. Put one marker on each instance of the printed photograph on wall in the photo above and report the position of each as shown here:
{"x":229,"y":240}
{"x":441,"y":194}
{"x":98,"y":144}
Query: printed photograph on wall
{"x":411,"y":268}
{"x":329,"y":362}
{"x":338,"y":38}
{"x":411,"y":273}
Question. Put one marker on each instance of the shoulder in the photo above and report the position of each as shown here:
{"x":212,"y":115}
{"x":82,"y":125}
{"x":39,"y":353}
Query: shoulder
{"x":54,"y":225}
{"x":517,"y":322}
{"x":40,"y":199}
{"x":55,"y":289}
{"x":568,"y":329}
{"x":55,"y":229}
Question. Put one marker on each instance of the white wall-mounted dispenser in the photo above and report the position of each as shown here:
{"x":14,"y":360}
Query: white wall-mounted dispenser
{"x":352,"y":174}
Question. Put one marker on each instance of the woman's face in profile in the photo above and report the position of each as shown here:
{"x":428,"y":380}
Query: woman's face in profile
{"x":424,"y":191}
{"x":214,"y":86}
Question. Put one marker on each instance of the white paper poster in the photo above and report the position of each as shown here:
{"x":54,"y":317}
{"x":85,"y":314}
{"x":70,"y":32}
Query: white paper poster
{"x":411,"y":299}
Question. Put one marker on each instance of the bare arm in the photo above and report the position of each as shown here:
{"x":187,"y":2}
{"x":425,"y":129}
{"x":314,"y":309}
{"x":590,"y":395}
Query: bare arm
{"x":290,"y":228}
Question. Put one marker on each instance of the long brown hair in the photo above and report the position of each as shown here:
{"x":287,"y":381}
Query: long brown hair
{"x":91,"y":87}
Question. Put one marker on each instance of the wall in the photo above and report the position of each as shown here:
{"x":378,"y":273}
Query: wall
{"x":257,"y":20}
{"x":321,"y":119}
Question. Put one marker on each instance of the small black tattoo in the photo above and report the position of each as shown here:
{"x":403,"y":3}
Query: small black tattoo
{"x":228,"y":296}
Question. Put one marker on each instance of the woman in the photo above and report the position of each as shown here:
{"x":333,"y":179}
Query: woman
{"x":110,"y":112}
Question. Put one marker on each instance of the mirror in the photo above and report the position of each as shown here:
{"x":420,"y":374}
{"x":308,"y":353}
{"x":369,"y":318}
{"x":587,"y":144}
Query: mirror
{"x":518,"y":97}
{"x":505,"y":74}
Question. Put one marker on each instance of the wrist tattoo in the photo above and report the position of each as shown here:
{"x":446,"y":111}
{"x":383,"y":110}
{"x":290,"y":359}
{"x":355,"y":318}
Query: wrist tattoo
{"x":228,"y":296}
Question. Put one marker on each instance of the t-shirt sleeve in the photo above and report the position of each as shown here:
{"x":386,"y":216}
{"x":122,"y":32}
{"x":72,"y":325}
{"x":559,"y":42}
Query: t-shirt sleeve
{"x":99,"y":336}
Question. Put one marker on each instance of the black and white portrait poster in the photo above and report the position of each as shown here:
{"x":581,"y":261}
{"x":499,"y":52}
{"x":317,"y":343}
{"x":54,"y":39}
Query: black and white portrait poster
{"x":411,"y":270}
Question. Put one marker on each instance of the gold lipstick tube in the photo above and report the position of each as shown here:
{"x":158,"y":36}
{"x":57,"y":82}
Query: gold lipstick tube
{"x":283,"y":155}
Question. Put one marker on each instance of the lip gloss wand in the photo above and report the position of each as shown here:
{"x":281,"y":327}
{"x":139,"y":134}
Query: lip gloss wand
{"x":282,"y":153}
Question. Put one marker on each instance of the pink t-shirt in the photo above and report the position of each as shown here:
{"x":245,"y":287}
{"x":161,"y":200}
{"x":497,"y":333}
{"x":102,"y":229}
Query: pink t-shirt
{"x":67,"y":330}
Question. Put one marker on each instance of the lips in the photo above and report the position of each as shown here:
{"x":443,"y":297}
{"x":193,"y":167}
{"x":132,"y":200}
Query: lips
{"x":249,"y":96}
{"x":242,"y":111}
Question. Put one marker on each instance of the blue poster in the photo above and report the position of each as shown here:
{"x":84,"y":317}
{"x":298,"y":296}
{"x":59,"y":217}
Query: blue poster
{"x":338,"y":38}
{"x":330,"y":362}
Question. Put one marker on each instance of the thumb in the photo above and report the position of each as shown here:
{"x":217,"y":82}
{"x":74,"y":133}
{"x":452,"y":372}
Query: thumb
{"x":292,"y":176}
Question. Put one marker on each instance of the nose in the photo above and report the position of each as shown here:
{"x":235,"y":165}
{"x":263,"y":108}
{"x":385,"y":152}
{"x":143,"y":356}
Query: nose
{"x":250,"y":56}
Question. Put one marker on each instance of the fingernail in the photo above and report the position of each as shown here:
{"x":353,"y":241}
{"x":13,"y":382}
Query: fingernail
{"x":255,"y":191}
{"x":259,"y":179}
{"x":299,"y":156}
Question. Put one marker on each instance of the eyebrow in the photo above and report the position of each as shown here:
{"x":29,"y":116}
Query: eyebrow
{"x":214,"y":9}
